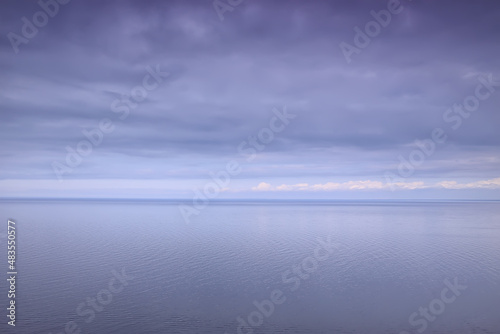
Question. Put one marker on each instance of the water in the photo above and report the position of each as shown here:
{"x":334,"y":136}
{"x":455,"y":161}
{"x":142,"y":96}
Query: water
{"x":386,"y":260}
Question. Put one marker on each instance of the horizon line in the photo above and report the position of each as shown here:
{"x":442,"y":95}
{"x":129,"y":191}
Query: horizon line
{"x":184,"y":200}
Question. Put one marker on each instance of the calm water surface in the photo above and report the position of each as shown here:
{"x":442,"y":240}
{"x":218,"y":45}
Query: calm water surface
{"x":386,"y":261}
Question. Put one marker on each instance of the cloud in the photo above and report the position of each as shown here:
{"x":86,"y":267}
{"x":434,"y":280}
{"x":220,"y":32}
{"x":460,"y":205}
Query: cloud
{"x":486,"y":184}
{"x":377,"y":185}
{"x":353,"y":120}
{"x":263,"y":186}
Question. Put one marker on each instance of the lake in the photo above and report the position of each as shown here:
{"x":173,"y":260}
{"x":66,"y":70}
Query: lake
{"x":92,"y":266}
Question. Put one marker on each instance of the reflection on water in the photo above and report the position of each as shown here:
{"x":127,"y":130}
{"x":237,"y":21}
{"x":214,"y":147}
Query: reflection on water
{"x":389,"y":260}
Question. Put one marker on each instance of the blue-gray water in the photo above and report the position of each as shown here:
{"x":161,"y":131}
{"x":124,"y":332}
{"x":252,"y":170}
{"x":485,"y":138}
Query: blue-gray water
{"x":387,"y":261}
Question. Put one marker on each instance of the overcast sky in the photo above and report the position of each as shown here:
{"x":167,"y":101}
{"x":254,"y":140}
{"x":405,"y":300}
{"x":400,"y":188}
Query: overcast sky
{"x":342,"y":112}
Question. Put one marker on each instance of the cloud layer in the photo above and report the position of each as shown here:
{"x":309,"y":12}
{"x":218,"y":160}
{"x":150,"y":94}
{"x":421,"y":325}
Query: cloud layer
{"x":353,"y":122}
{"x":377,"y":185}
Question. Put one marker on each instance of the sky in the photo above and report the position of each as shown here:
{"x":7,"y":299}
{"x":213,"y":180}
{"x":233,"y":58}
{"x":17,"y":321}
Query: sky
{"x":250,"y":99}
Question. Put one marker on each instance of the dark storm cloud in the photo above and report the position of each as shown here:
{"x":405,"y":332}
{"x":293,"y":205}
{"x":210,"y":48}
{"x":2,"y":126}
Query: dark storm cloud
{"x":226,"y":77}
